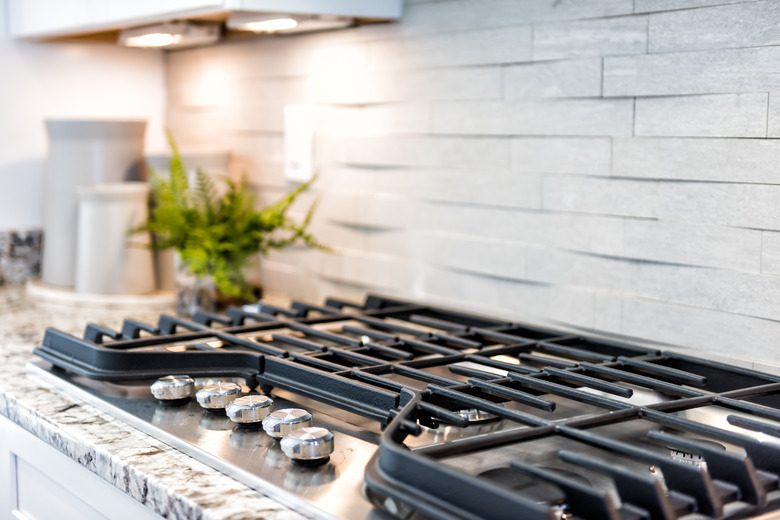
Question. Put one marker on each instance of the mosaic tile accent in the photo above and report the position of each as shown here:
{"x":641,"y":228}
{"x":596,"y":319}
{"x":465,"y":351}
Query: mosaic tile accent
{"x":20,"y":256}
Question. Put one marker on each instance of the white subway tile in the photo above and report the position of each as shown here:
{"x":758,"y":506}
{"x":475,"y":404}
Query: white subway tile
{"x":705,"y":331}
{"x":195,"y":127}
{"x":454,"y":289}
{"x":773,"y":126}
{"x":463,"y":15}
{"x":770,"y":252}
{"x":607,"y":313}
{"x":727,"y":115}
{"x":581,"y":270}
{"x":746,"y":24}
{"x":600,"y":195}
{"x":439,"y":84}
{"x":393,"y":242}
{"x":586,"y":155}
{"x":384,"y":211}
{"x":452,"y":152}
{"x":693,"y":244}
{"x":728,"y":160}
{"x":739,"y":205}
{"x":380,"y":273}
{"x":475,"y":255}
{"x":265,"y":117}
{"x":544,"y":117}
{"x":577,"y":232}
{"x":477,"y":47}
{"x":396,"y":119}
{"x":501,"y":188}
{"x":338,"y":236}
{"x":703,"y":72}
{"x":598,"y":37}
{"x":340,"y":207}
{"x":566,"y":78}
{"x":739,"y":293}
{"x":512,"y":300}
{"x":644,"y":6}
{"x":556,"y":303}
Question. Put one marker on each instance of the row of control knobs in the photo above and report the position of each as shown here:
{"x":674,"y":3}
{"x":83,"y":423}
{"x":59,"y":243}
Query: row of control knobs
{"x":291,"y":426}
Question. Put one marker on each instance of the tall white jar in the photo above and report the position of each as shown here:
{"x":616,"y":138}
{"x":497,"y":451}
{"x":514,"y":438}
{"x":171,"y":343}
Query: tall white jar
{"x":82,"y":153}
{"x":109,"y":260}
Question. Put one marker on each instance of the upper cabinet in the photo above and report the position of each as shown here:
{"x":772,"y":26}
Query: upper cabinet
{"x":53,"y":19}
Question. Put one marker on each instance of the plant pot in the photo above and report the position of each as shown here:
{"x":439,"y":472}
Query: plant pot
{"x":194,"y":294}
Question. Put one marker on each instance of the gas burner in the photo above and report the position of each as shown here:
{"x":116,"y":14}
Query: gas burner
{"x":689,"y":457}
{"x":476,"y":416}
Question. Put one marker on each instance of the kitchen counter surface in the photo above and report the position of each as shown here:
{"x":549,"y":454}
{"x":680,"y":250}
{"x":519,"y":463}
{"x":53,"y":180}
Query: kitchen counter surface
{"x":172,"y":484}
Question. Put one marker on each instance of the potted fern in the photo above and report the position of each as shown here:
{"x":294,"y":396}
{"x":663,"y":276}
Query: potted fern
{"x":217,"y":232}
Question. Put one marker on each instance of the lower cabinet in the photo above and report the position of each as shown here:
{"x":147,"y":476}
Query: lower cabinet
{"x":37,"y":482}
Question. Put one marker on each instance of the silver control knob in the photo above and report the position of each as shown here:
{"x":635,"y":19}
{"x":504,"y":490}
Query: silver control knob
{"x":281,"y":422}
{"x":249,"y":410}
{"x":173,"y":389}
{"x":308,"y":445}
{"x":217,"y":396}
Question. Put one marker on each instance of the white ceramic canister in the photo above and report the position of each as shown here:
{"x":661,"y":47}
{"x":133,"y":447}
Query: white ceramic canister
{"x":82,"y":153}
{"x":109,"y":260}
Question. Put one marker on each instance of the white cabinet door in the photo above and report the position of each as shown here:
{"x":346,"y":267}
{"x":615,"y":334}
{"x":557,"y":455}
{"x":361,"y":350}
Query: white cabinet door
{"x":47,"y":18}
{"x":40,"y":17}
{"x":37,"y":482}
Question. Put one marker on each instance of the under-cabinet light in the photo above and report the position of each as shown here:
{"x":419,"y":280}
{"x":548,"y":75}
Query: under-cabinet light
{"x":267,"y":25}
{"x":151,"y":40}
{"x":284,"y":23}
{"x":171,"y":34}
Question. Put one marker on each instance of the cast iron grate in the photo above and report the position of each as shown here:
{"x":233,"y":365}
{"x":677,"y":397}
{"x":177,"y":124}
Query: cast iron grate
{"x":476,"y":409}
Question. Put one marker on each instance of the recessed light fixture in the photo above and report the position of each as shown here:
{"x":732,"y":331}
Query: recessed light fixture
{"x":171,"y":34}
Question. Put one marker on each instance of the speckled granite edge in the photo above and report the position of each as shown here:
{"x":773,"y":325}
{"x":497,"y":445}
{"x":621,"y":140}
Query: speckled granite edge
{"x":167,"y":481}
{"x":170,"y":483}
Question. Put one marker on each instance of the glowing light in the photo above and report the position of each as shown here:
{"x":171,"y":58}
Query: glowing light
{"x":152,"y":40}
{"x":271,"y":25}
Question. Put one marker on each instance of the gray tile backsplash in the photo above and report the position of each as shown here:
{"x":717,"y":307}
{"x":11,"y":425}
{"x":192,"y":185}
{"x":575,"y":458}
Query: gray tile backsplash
{"x":599,"y":165}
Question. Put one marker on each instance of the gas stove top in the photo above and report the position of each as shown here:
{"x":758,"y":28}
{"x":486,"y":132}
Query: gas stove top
{"x":446,"y":415}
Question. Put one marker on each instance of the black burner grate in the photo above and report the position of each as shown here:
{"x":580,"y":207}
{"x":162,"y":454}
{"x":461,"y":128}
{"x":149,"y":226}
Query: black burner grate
{"x":620,"y":431}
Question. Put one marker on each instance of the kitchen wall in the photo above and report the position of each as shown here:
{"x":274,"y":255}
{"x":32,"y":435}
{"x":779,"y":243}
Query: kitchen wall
{"x":603,"y":165}
{"x":80,"y":81}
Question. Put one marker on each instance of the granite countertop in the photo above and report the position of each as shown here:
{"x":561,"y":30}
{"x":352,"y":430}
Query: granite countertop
{"x":167,"y":481}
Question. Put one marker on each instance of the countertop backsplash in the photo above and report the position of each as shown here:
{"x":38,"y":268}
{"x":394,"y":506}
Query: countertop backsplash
{"x":592,"y":164}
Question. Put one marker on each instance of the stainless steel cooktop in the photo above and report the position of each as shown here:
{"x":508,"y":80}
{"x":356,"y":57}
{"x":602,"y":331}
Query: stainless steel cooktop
{"x":333,"y":490}
{"x":446,"y":415}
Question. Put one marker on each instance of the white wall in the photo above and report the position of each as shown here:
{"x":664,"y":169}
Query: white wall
{"x":79,"y":81}
{"x":607,"y":165}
